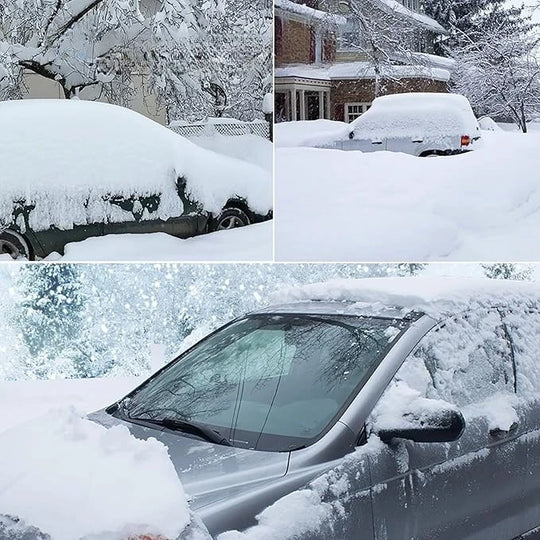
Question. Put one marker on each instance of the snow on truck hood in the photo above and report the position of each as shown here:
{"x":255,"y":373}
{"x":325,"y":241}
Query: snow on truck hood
{"x":434,"y":296}
{"x":70,"y":154}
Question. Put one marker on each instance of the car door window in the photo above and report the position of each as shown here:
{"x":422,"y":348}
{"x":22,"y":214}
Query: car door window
{"x":465,"y":360}
{"x":523,"y":326}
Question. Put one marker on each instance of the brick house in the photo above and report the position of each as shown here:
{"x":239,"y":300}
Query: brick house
{"x":319,"y":73}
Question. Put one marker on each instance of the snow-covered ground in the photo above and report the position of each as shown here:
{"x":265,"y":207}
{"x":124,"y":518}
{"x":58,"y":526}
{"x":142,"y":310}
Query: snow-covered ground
{"x":347,"y":206}
{"x":252,"y":243}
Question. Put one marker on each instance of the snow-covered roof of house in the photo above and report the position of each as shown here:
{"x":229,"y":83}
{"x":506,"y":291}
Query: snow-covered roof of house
{"x":393,"y":6}
{"x":308,"y":13}
{"x":360,"y":70}
{"x":435,"y":296}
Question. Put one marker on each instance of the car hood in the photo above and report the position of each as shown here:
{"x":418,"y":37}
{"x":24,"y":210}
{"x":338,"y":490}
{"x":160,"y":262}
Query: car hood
{"x":208,"y":472}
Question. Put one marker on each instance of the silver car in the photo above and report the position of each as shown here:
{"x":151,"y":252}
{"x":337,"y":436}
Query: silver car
{"x":420,"y":124}
{"x":277,"y":398}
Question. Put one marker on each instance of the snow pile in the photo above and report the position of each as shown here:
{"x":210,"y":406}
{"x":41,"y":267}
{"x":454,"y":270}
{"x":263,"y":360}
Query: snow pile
{"x":438,"y":297}
{"x":73,"y":479}
{"x":69,"y":157}
{"x":251,"y":243}
{"x":428,"y":114}
{"x":387,"y":206}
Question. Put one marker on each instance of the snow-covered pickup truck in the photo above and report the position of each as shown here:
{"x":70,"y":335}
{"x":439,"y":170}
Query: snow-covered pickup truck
{"x":76,"y":169}
{"x":421,"y":124}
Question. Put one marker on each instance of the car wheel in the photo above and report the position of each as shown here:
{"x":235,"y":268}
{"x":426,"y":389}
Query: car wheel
{"x":12,"y":243}
{"x":230,"y":218}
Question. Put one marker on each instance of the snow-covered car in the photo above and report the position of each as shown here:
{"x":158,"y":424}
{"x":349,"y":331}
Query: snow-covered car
{"x":421,"y":124}
{"x":74,"y":169}
{"x":400,"y":408}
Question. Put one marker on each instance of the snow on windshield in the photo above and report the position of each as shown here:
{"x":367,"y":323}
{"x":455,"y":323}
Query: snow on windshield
{"x":117,"y":486}
{"x":68,"y":157}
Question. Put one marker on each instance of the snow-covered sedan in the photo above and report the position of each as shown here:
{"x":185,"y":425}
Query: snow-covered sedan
{"x":421,"y":124}
{"x":359,"y":409}
{"x":72,"y":169}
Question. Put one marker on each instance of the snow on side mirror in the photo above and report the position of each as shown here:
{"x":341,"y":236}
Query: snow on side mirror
{"x":430,"y":421}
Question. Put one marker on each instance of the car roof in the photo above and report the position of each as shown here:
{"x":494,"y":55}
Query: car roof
{"x":316,"y":307}
{"x":437,"y":297}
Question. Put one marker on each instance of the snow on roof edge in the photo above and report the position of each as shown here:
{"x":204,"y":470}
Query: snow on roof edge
{"x":434,"y":296}
{"x":309,"y":13}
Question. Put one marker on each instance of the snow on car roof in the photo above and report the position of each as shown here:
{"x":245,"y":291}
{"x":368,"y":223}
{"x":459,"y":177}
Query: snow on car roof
{"x":433,"y":114}
{"x":69,"y":155}
{"x":435,"y":296}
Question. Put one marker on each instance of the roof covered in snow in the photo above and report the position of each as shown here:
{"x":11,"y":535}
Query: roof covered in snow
{"x":307,"y":13}
{"x":360,"y":70}
{"x":422,"y":20}
{"x":435,"y":296}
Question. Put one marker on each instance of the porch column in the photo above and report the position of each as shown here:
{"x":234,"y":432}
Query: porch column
{"x":321,"y":103}
{"x":302,"y":104}
{"x":293,"y":104}
{"x":329,"y":114}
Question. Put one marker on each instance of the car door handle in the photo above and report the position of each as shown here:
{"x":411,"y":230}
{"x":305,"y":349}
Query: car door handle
{"x":497,"y":432}
{"x":417,"y":140}
{"x":376,"y":142}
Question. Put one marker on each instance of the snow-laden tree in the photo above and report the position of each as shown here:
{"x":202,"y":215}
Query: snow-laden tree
{"x":82,"y":43}
{"x":500,"y":75}
{"x":96,"y":320}
{"x":239,"y":61}
{"x":508,"y":271}
{"x":387,"y":36}
{"x":471,"y":19}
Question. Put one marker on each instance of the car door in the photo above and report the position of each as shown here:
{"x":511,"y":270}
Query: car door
{"x":138,"y":208}
{"x":470,"y":488}
{"x":523,"y":324}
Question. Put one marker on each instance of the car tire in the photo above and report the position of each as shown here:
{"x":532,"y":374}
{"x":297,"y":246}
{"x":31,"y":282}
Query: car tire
{"x":14,"y":244}
{"x":230,"y":218}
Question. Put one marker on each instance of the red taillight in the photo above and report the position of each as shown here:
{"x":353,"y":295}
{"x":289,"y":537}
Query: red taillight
{"x":465,"y":140}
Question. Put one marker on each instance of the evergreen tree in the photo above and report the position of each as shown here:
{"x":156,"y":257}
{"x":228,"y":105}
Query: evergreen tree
{"x":50,"y":316}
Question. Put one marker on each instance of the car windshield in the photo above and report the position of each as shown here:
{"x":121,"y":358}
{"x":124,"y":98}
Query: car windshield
{"x":268,"y":382}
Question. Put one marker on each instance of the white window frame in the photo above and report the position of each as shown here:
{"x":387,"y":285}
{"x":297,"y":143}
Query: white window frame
{"x":355,"y":109}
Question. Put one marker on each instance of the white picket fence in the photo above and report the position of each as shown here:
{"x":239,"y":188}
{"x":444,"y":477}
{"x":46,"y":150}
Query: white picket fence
{"x":228,"y":128}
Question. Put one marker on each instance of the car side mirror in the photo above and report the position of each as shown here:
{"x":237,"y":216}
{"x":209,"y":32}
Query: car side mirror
{"x":351,"y":134}
{"x":436,"y":421}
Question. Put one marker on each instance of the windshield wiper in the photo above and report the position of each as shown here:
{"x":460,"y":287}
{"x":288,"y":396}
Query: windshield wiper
{"x":188,"y":427}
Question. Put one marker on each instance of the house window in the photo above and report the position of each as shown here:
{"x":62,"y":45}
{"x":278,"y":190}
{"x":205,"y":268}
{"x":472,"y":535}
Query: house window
{"x":354,"y":110}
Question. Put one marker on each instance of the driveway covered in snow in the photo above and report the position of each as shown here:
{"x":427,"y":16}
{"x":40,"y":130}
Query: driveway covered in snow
{"x":382,"y":206}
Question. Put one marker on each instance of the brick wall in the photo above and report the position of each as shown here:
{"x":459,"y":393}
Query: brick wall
{"x":293,"y":42}
{"x":347,"y":91}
